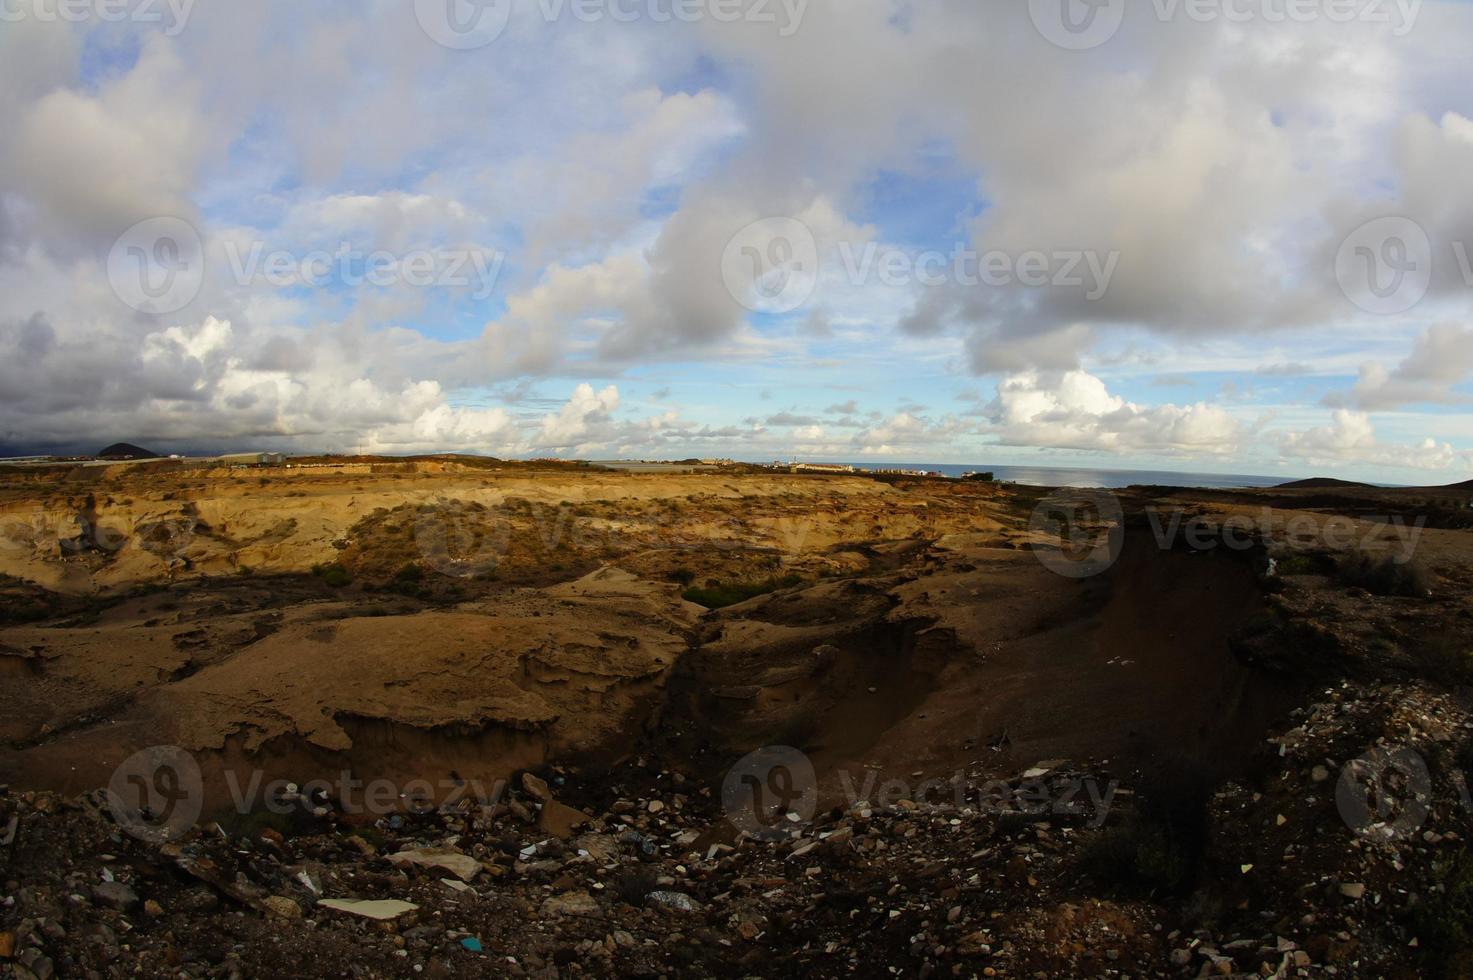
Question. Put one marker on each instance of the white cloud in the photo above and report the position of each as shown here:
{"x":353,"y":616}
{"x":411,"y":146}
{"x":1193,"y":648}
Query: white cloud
{"x":580,"y":419}
{"x":1075,"y":410}
{"x":1350,"y":438}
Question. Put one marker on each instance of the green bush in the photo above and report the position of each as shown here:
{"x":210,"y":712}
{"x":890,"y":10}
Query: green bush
{"x":334,"y":575}
{"x":1448,"y":659}
{"x":1443,"y":921}
{"x":1384,"y":575}
{"x":1305,"y":563}
{"x":1139,"y":854}
{"x":719,"y":595}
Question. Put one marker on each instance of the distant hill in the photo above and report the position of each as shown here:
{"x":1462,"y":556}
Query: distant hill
{"x":1323,"y":483}
{"x":125,"y":450}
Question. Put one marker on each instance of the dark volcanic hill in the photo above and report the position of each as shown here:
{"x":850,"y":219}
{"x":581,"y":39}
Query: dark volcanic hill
{"x":126,"y":450}
{"x":1323,"y":483}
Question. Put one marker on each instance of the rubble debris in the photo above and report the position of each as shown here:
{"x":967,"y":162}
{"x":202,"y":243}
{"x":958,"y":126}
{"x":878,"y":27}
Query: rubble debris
{"x":931,"y":889}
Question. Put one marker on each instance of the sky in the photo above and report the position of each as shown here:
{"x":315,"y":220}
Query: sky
{"x":1229,"y":236}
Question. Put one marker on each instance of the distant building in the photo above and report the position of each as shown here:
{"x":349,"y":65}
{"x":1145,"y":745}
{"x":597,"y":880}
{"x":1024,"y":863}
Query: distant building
{"x":252,"y":459}
{"x":820,"y":468}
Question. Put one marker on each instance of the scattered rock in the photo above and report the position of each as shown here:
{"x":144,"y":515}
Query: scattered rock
{"x":679,"y":901}
{"x":536,"y":788}
{"x":672,"y":890}
{"x":282,"y":907}
{"x":380,"y":909}
{"x":578,"y":903}
{"x":115,"y":895}
{"x":463,"y":866}
{"x":561,"y":821}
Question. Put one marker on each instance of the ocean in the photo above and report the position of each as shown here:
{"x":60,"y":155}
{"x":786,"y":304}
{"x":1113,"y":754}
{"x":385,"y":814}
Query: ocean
{"x":1046,"y":476}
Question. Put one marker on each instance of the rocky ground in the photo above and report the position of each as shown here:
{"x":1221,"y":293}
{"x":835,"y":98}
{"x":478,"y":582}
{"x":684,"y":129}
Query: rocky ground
{"x":643,"y":874}
{"x":1201,"y":762}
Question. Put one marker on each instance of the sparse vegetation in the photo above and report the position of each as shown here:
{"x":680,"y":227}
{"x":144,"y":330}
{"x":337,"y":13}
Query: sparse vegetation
{"x":252,"y":823}
{"x":1448,"y":659}
{"x":1157,"y":850}
{"x":1305,"y":563}
{"x":633,"y":886}
{"x":14,"y":612}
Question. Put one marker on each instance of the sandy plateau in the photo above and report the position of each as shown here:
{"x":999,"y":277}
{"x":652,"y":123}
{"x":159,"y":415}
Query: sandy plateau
{"x":626,"y":638}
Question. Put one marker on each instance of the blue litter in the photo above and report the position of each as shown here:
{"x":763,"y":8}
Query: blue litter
{"x":471,"y":943}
